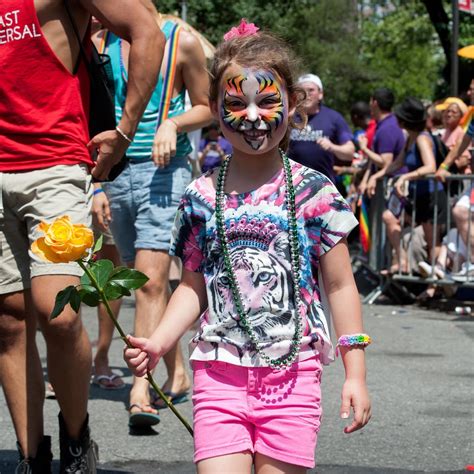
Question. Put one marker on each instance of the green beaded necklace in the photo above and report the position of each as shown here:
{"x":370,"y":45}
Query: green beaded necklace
{"x":287,"y":359}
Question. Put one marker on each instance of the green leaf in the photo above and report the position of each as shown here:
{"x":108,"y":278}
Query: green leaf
{"x":114,"y":291}
{"x":88,"y":297}
{"x":85,"y":280}
{"x":128,"y":278}
{"x":75,"y":300}
{"x":98,"y":244}
{"x":102,"y":270}
{"x":62,"y":299}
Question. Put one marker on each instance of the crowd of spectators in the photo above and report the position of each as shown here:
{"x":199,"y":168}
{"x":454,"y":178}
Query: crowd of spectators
{"x":406,"y":150}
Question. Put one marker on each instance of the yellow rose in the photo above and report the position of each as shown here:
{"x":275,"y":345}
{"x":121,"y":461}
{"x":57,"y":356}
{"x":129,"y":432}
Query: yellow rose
{"x":63,"y":241}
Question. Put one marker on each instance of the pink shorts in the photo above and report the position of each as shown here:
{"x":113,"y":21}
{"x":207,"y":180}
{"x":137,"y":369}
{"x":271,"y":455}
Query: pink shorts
{"x":272,"y":412}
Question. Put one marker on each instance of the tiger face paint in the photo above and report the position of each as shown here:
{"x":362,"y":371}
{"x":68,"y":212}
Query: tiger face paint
{"x":253,"y":108}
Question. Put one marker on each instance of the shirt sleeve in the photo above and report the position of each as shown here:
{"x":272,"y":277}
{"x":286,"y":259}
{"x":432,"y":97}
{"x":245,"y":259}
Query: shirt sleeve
{"x":344,"y":133}
{"x":188,"y":236}
{"x":328,"y":218}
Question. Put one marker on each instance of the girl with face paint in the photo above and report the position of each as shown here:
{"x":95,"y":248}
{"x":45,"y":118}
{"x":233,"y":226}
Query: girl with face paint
{"x":254,"y":235}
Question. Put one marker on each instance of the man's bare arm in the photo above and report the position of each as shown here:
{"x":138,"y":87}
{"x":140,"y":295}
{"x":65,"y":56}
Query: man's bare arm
{"x":135,"y":22}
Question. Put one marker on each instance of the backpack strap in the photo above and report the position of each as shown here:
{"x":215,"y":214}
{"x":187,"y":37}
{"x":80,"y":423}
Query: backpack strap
{"x":169,"y":76}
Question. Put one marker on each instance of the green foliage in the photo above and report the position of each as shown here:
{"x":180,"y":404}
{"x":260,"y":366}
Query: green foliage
{"x":101,"y":281}
{"x":98,"y":244}
{"x":401,"y":52}
{"x":62,"y":299}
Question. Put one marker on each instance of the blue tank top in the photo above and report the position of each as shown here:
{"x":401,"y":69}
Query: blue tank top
{"x":141,"y":148}
{"x":413,"y":161}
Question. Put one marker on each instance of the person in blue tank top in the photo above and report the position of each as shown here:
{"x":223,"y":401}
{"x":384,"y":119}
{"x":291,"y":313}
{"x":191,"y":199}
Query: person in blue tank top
{"x":415,"y":191}
{"x":142,"y":201}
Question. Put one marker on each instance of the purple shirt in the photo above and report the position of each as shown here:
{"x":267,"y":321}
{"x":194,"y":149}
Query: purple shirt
{"x":326,"y":123}
{"x":389,"y":137}
{"x":212,"y":158}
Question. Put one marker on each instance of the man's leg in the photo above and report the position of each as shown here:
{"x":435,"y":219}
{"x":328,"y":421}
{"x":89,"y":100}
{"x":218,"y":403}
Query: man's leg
{"x":151,"y":301}
{"x":69,"y":355}
{"x":21,"y":375}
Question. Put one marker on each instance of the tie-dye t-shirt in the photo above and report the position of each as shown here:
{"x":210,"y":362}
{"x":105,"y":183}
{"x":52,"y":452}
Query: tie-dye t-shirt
{"x":257,"y":230}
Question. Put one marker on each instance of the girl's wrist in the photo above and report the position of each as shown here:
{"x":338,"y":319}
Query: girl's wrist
{"x":358,"y":376}
{"x":159,"y":346}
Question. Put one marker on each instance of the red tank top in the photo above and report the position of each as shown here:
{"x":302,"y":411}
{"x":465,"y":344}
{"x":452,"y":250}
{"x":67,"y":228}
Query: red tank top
{"x":43,"y":107}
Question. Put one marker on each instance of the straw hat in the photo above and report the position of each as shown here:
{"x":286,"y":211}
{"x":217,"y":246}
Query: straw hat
{"x":467,"y":52}
{"x":452,"y":100}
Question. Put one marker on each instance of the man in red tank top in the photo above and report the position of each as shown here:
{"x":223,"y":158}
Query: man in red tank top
{"x":45,"y":172}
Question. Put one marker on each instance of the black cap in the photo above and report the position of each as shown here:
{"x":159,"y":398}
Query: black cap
{"x":411,"y":111}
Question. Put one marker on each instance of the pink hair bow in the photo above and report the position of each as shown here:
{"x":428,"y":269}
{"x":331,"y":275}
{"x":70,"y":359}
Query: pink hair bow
{"x":244,"y":29}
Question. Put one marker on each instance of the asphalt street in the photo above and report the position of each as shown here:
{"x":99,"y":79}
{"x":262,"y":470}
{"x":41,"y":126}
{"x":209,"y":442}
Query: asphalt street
{"x":420,"y":374}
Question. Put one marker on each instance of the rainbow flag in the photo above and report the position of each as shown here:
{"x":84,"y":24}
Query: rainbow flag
{"x":364,"y":231}
{"x":466,"y":119}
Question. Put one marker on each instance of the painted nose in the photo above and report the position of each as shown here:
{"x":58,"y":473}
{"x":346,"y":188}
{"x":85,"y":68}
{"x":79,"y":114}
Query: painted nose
{"x":252,"y":113}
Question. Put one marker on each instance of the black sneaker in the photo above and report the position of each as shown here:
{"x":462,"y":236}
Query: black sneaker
{"x":40,"y":464}
{"x":77,"y":456}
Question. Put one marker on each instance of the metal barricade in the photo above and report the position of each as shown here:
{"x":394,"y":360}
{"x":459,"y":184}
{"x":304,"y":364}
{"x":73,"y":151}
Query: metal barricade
{"x":380,"y":251}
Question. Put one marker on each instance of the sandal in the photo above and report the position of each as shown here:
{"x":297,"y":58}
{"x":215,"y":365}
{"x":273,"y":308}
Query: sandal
{"x":142,"y":419}
{"x":173,"y":397}
{"x":50,"y":394}
{"x":106,"y":382}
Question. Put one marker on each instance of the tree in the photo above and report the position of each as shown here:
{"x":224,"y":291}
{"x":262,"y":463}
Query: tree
{"x":442,"y":23}
{"x":399,"y":48}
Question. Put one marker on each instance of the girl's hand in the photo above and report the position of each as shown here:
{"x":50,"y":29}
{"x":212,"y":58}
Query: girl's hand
{"x":355,"y":395}
{"x":400,"y":186}
{"x":142,"y":357}
{"x":164,"y":144}
{"x":101,"y":211}
{"x":442,"y":174}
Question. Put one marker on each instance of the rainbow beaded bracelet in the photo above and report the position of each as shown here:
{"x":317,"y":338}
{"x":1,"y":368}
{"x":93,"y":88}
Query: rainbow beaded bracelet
{"x":353,"y":340}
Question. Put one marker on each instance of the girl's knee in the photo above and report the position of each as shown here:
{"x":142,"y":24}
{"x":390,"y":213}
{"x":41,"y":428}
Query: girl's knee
{"x":460,"y":213}
{"x":389,"y":218}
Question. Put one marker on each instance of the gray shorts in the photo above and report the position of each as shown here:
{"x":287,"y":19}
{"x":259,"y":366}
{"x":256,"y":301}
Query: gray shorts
{"x":26,"y":199}
{"x":143,"y":202}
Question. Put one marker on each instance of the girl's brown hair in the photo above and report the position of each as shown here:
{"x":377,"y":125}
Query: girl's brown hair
{"x":263,"y":51}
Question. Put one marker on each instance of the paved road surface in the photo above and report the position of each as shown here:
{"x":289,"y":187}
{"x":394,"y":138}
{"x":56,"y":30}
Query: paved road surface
{"x":422,"y":386}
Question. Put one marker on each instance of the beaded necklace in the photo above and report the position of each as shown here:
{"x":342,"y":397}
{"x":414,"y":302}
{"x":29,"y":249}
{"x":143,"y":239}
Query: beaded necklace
{"x":287,"y":359}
